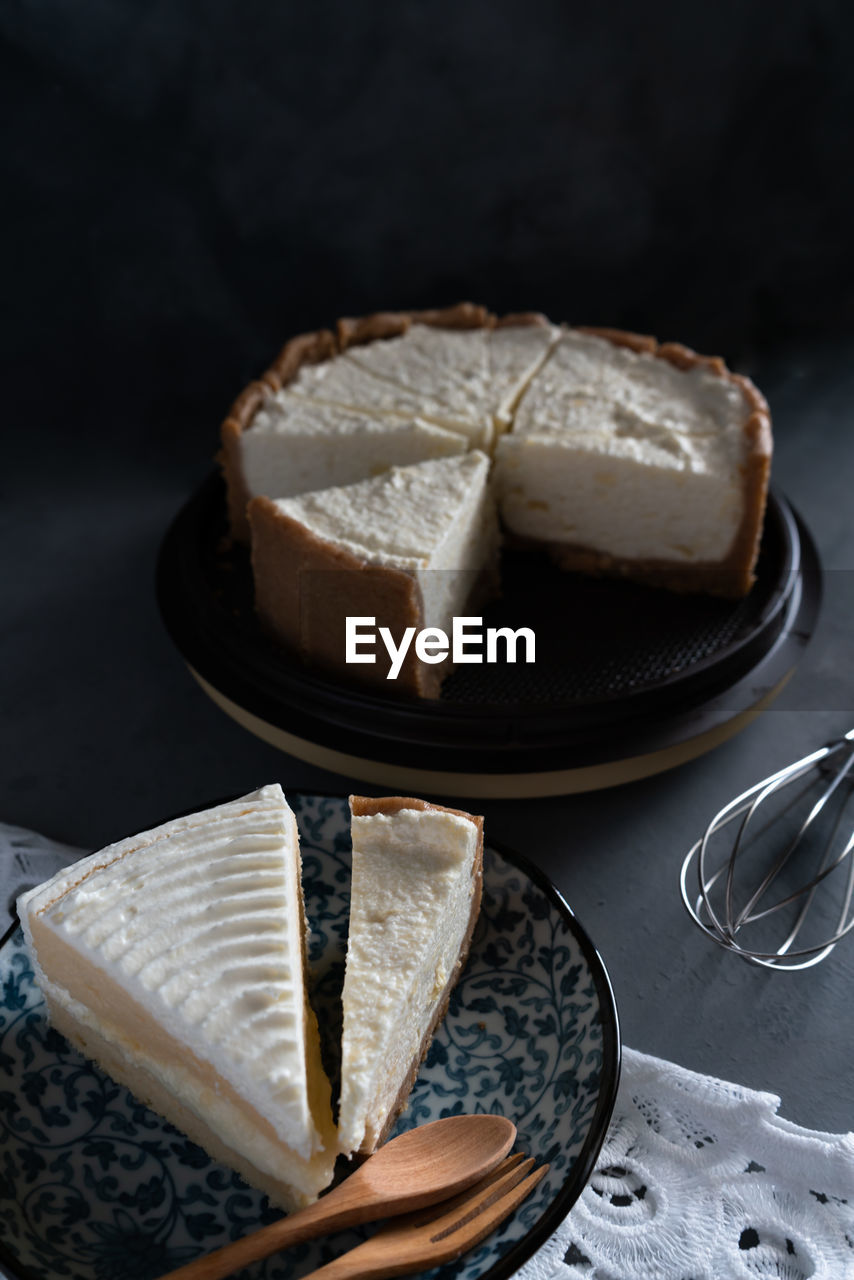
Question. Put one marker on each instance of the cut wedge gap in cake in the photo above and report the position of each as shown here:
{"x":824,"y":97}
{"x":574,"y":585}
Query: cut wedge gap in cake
{"x":176,"y":960}
{"x":415,"y":898}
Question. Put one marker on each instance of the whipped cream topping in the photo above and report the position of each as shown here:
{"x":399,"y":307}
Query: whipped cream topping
{"x":436,"y":520}
{"x":354,"y":381}
{"x":591,"y":384}
{"x":403,"y":518}
{"x":199,"y":921}
{"x":516,"y":354}
{"x":478,"y":373}
{"x":463,"y":380}
{"x":295,"y":446}
{"x":450,"y":363}
{"x":623,"y":452}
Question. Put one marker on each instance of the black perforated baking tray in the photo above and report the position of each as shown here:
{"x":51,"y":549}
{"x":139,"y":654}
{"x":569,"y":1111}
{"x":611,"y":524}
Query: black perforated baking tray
{"x":628,"y":679}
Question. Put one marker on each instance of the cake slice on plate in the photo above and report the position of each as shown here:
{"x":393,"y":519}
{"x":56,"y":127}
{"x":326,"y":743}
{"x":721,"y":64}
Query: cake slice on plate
{"x":176,"y":960}
{"x":640,"y":459}
{"x":411,"y":548}
{"x":415,"y":898}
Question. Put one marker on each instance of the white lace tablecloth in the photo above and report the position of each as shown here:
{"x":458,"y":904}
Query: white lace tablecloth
{"x":697,"y":1179}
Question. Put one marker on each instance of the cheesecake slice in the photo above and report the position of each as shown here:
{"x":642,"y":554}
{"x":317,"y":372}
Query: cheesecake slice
{"x":411,"y":548}
{"x":415,"y":898}
{"x":176,"y":960}
{"x":639,"y":459}
{"x":296,"y":446}
{"x":389,"y":377}
{"x":478,"y":373}
{"x":444,"y":370}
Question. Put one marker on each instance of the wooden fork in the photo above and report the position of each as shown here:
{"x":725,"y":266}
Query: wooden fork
{"x":442,"y":1233}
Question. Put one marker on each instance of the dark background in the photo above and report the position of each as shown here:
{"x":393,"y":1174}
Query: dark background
{"x":187,"y":184}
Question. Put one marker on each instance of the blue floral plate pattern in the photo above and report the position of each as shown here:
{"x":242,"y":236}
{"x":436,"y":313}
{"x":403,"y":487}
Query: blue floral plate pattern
{"x":93,"y":1186}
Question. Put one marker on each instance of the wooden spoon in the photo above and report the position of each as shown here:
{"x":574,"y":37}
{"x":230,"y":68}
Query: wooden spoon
{"x":417,"y":1168}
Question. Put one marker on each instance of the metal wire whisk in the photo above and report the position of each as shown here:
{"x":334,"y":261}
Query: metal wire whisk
{"x":747,"y":929}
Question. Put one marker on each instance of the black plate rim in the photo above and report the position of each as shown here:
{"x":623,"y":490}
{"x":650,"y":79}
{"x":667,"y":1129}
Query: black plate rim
{"x":583,"y":1166}
{"x":612,"y":1066}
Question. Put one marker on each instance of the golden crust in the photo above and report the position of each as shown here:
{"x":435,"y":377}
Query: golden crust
{"x":392,"y":324}
{"x":726,"y":579}
{"x":356,"y":332}
{"x":305,"y":588}
{"x":362,"y":806}
{"x":305,"y":348}
{"x":368,"y":806}
{"x":640,"y":342}
{"x":523,"y":319}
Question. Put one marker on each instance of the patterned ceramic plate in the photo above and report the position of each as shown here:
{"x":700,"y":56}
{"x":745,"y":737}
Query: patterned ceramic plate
{"x":93,"y":1186}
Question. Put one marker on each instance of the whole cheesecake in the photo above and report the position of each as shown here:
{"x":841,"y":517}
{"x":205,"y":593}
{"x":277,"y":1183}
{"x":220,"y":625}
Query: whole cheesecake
{"x":610,"y":452}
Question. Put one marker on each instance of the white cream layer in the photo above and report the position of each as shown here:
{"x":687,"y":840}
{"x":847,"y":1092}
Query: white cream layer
{"x":464,"y":380}
{"x":516,"y":354}
{"x":479,"y":372}
{"x":351,"y":384}
{"x":199,"y":921}
{"x":624,"y":453}
{"x":410,"y":909}
{"x":452,"y":364}
{"x":295,"y":446}
{"x":589,"y":382}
